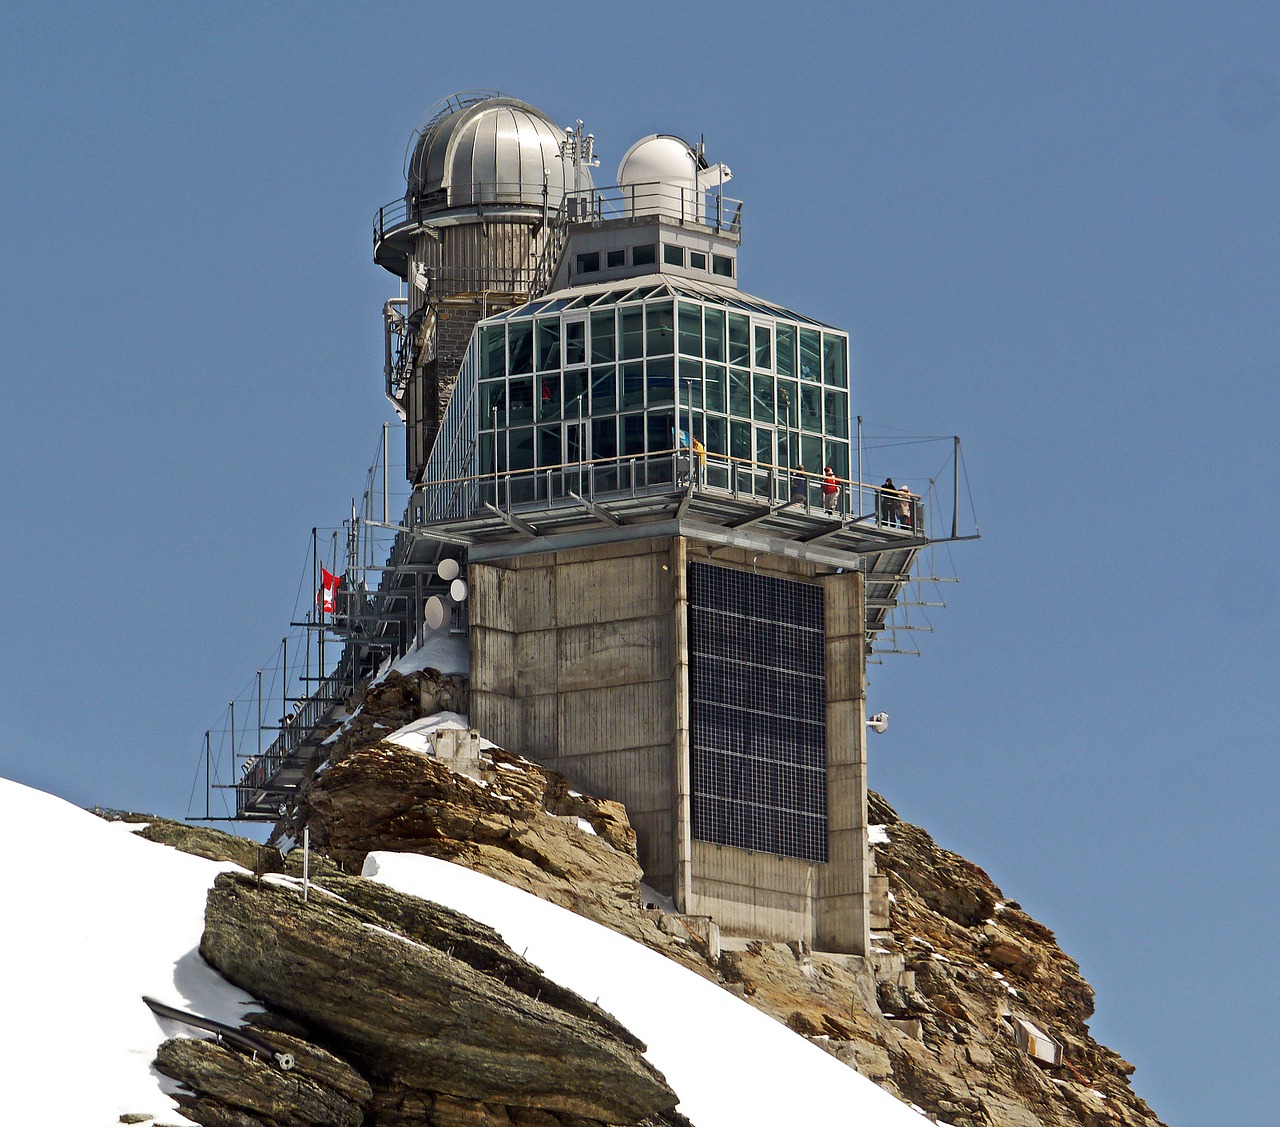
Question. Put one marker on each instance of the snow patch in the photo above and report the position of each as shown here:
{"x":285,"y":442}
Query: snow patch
{"x":877,"y":835}
{"x":417,"y":736}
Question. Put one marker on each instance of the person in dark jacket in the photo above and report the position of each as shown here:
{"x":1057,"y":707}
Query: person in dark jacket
{"x":799,"y":486}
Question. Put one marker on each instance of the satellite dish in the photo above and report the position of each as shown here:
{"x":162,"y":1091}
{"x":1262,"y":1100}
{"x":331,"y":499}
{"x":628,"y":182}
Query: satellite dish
{"x":448,"y":569}
{"x":434,"y":612}
{"x":458,"y":590}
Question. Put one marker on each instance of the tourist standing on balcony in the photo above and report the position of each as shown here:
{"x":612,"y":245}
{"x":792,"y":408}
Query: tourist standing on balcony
{"x":888,"y":502}
{"x":830,"y":491}
{"x":799,"y":486}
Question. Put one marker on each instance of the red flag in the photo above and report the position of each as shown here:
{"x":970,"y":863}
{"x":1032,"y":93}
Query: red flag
{"x":327,"y":595}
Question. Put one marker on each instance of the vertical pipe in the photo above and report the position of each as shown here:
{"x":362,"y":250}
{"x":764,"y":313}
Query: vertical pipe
{"x":306,"y":862}
{"x":259,"y":713}
{"x":233,"y":739}
{"x":955,"y":488}
{"x":859,"y":513}
{"x":208,"y":781}
{"x":284,"y":680}
{"x":384,"y":475}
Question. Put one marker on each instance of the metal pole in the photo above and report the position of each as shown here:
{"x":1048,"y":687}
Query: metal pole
{"x":306,"y":862}
{"x":955,"y":487}
{"x":859,"y":513}
{"x":284,"y":680}
{"x":233,"y":739}
{"x":208,"y":783}
{"x":384,"y":474}
{"x":259,"y":713}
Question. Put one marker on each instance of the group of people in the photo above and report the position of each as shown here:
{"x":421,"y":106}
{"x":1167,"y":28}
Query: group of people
{"x":830,"y":488}
{"x":895,"y":504}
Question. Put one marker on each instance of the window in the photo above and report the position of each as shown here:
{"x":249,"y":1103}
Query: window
{"x":661,"y":381}
{"x":690,"y":319}
{"x":834,"y":369}
{"x":575,"y":343}
{"x":764,"y":347}
{"x":632,"y":324}
{"x":548,"y":343}
{"x":643,"y":255}
{"x":740,"y":339}
{"x":602,"y":337}
{"x":837,"y":414}
{"x":492,"y":352}
{"x":614,"y":258}
{"x":604,"y":390}
{"x":697,"y":260}
{"x":715,"y":335}
{"x":589,"y":263}
{"x":672,"y":255}
{"x":762,"y":398}
{"x":632,"y":386}
{"x":715,"y":388}
{"x":632,"y":428}
{"x":722,"y":264}
{"x":786,"y":350}
{"x":521,"y":402}
{"x":740,"y":393}
{"x":659,"y":331}
{"x":810,"y":354}
{"x":520,"y":347}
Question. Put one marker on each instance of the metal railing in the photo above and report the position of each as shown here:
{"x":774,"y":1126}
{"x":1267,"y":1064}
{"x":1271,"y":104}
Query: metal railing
{"x":664,"y":472}
{"x":695,"y":206}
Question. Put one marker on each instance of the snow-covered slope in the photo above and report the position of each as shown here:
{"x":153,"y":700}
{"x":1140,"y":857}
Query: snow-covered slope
{"x":732,"y":1065}
{"x":94,"y":918}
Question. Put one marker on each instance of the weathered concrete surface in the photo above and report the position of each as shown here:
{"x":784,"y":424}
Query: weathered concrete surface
{"x":415,"y":1017}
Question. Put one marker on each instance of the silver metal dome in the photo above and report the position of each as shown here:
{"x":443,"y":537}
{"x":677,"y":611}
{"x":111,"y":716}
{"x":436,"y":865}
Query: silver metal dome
{"x":486,"y":148}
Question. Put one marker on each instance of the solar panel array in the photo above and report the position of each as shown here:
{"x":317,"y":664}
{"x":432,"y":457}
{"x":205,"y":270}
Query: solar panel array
{"x":758,"y":697}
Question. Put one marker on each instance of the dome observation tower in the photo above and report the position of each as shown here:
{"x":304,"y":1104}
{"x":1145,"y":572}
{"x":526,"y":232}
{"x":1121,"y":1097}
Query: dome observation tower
{"x":475,"y":233}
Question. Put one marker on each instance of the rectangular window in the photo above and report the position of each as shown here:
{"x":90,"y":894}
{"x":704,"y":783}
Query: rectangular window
{"x":632,"y":434}
{"x":762,"y":398}
{"x":632,"y":386}
{"x":672,"y":255}
{"x":740,"y":339}
{"x":661,"y":433}
{"x":632,"y":332}
{"x":690,"y":384}
{"x":722,"y":264}
{"x":548,"y":343}
{"x":715,"y":335}
{"x":740,"y":440}
{"x":589,"y":263}
{"x":764,"y":347}
{"x":690,"y":329}
{"x":549,"y":452}
{"x":548,"y":397}
{"x":493,"y":397}
{"x":835,"y":372}
{"x":717,"y":440}
{"x":575,"y":385}
{"x":521,"y":448}
{"x":484,"y":454}
{"x":520,"y":347}
{"x":811,"y":355}
{"x":739,"y":393}
{"x":811,"y":409}
{"x":714,"y":384}
{"x":659,"y":330}
{"x":575,"y":343}
{"x":604,"y":437}
{"x":603,"y":346}
{"x":811,"y":451}
{"x":661,"y":381}
{"x":604,"y":391}
{"x":837,"y":414}
{"x":697,"y":260}
{"x":788,"y":403}
{"x":521,"y":401}
{"x":614,"y":258}
{"x":643,"y":255}
{"x":493,"y":360}
{"x":786,"y":349}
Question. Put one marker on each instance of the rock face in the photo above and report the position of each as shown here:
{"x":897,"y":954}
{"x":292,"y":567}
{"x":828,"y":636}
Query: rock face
{"x":426,"y":1003}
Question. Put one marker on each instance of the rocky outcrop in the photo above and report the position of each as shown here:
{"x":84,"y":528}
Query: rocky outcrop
{"x":428,"y":1005}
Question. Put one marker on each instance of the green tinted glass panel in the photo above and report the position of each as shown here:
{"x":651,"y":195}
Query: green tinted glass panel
{"x":521,"y":448}
{"x":764,"y":347}
{"x":740,"y":339}
{"x":602,"y":337}
{"x":604,"y":438}
{"x":604,"y":391}
{"x":740,"y":440}
{"x":717,"y":439}
{"x":691,"y":383}
{"x":548,"y":343}
{"x":548,"y":397}
{"x":631,"y":319}
{"x":837,"y":414}
{"x":484,"y":454}
{"x":690,"y":329}
{"x":764,"y":446}
{"x":715,"y":335}
{"x":631,"y":429}
{"x":493,"y":352}
{"x":520,"y":347}
{"x":521,"y":401}
{"x":786,"y":350}
{"x":714,"y":383}
{"x":575,"y":384}
{"x":811,"y":408}
{"x":835,"y":372}
{"x":788,"y":403}
{"x":740,"y":393}
{"x":659,"y":328}
{"x":575,"y":343}
{"x":811,"y":451}
{"x":632,"y":379}
{"x":838,"y":458}
{"x":661,"y":432}
{"x":810,"y":354}
{"x":762,"y":398}
{"x":493,"y":397}
{"x":549,"y":451}
{"x":661,"y":379}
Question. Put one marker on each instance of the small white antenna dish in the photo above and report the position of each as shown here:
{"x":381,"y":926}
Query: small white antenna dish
{"x":448,"y":569}
{"x":458,"y":590}
{"x":435,"y":612}
{"x":879,"y":723}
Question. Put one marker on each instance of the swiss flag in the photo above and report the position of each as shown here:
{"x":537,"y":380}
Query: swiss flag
{"x":327,"y":595}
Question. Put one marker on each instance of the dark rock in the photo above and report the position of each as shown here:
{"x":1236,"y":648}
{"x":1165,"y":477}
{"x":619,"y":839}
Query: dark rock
{"x":410,"y":1013}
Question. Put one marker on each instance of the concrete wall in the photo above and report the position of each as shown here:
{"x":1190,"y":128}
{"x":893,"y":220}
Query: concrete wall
{"x":579,"y":660}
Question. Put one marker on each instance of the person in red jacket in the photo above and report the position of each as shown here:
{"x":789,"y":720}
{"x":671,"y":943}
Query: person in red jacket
{"x":830,"y":491}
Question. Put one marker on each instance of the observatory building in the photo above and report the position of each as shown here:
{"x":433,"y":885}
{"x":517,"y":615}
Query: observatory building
{"x":650,"y":483}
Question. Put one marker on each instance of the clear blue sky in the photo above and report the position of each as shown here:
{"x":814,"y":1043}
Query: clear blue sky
{"x":1050,"y":229}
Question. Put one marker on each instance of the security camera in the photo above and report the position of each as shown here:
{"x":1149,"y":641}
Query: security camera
{"x":879,"y":722}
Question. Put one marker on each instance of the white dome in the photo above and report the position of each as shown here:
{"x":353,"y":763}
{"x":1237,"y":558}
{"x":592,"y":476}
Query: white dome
{"x":662,"y":159}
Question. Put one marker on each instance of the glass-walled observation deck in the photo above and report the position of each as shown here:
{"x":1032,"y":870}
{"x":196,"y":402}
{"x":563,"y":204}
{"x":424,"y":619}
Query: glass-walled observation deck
{"x":613,"y":383}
